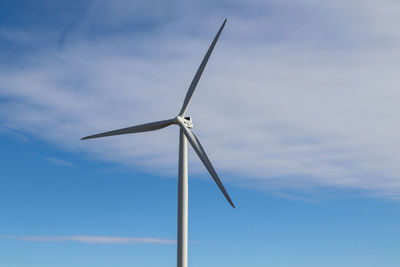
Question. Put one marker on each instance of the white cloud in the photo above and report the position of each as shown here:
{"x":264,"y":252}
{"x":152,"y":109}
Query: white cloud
{"x":94,"y":239}
{"x":303,"y":94}
{"x":61,"y":162}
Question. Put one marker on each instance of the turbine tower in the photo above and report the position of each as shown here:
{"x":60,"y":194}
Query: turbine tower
{"x":185,"y":124}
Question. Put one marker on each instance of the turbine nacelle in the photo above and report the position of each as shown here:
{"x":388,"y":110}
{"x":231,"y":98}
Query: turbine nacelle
{"x":187,"y":121}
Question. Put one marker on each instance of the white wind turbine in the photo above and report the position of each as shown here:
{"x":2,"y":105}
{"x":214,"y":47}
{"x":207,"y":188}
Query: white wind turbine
{"x":185,"y":124}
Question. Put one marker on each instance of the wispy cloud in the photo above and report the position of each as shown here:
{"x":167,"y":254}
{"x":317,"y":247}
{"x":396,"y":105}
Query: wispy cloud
{"x":295,"y":95}
{"x":94,"y":239}
{"x":61,"y":162}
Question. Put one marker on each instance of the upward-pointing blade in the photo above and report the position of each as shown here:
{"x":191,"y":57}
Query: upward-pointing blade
{"x":200,"y":70}
{"x":203,"y":156}
{"x":152,"y":126}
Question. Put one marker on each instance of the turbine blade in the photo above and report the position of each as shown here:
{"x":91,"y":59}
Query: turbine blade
{"x":203,"y":156}
{"x":152,"y":126}
{"x":200,"y":70}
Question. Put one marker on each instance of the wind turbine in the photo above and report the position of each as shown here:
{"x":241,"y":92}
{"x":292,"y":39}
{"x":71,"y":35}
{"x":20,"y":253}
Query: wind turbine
{"x":185,"y":124}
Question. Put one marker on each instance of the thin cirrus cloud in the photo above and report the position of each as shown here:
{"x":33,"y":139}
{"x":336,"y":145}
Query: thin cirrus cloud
{"x":94,"y":239}
{"x":301,"y":95}
{"x":60,"y":162}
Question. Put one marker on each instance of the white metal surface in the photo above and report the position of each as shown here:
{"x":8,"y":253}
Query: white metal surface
{"x":182,"y":238}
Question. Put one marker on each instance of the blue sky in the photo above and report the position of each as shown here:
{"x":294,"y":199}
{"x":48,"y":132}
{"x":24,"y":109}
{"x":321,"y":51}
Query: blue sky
{"x":297,"y":109}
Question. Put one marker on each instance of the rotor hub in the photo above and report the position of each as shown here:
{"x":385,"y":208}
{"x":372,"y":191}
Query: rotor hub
{"x":188,"y":122}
